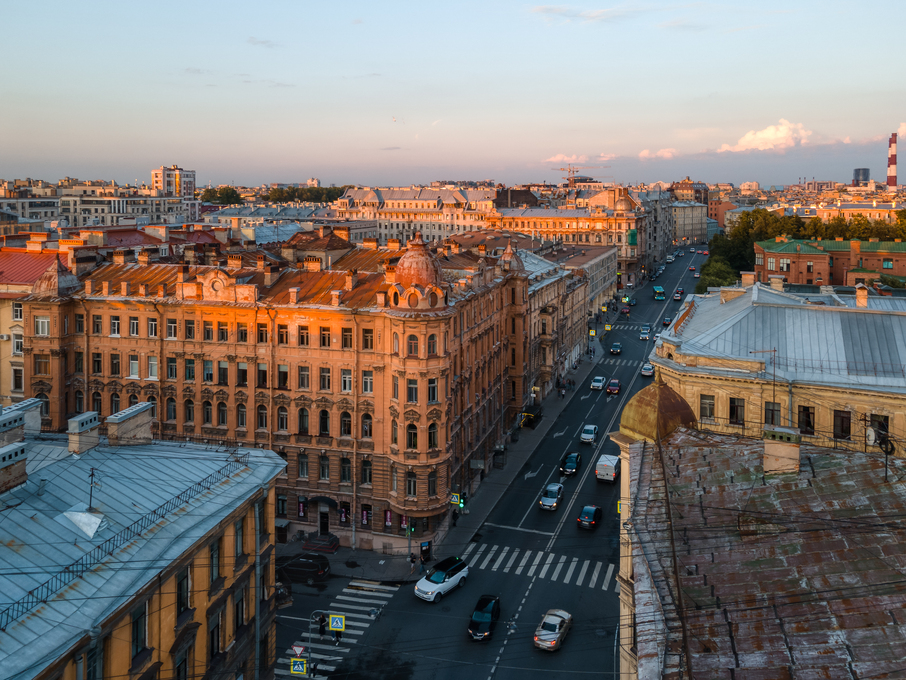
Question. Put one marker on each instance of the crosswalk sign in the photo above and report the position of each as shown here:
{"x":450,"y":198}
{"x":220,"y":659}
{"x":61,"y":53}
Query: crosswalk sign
{"x":337,"y":622}
{"x":607,"y":327}
{"x":454,"y":499}
{"x":298,"y":666}
{"x":591,"y":331}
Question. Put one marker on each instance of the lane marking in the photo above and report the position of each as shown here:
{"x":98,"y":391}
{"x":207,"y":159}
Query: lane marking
{"x":594,"y":575}
{"x":466,"y":552}
{"x":558,"y":568}
{"x":501,"y":558}
{"x":478,"y":552}
{"x":569,"y":572}
{"x":582,"y":573}
{"x":547,"y":564}
{"x":525,"y":559}
{"x":509,"y":564}
{"x":531,"y":571}
{"x":488,"y":558}
{"x":607,"y":578}
{"x":509,"y":528}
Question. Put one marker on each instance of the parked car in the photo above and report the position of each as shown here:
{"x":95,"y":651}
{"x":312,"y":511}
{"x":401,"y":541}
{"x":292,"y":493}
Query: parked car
{"x":607,"y":469}
{"x":484,"y":618}
{"x":552,"y":630}
{"x":570,"y":463}
{"x":647,"y":370}
{"x":589,"y":434}
{"x":616,"y":348}
{"x":613,"y":387}
{"x":449,"y":573}
{"x":590,"y":517}
{"x":682,"y":254}
{"x":551,"y":496}
{"x":308,"y":568}
{"x":668,"y":320}
{"x":597,"y":383}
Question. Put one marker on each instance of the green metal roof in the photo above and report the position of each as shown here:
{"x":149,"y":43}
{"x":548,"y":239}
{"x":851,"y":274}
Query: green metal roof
{"x":830,"y":245}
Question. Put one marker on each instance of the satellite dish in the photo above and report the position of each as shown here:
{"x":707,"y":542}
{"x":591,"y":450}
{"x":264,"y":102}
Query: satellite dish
{"x":871,"y":436}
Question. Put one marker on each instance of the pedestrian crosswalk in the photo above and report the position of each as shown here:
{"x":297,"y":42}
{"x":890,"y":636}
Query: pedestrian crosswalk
{"x":547,"y":565}
{"x":360,"y":603}
{"x":613,"y":361}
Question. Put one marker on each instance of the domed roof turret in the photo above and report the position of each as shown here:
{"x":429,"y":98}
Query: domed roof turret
{"x":418,"y":266}
{"x":623,"y":204}
{"x":655,"y":412}
{"x":511,"y":260}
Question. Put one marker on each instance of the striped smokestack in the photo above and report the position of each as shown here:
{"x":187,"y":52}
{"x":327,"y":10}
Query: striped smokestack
{"x":892,"y":162}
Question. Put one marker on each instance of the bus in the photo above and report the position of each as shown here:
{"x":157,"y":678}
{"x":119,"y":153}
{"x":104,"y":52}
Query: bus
{"x":659,"y":293}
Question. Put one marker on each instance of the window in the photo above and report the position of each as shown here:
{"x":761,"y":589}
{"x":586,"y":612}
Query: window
{"x":737,"y":411}
{"x":432,"y":483}
{"x":181,"y":665}
{"x":282,"y":419}
{"x":325,"y":378}
{"x":42,"y":364}
{"x":242,"y":332}
{"x":79,"y":323}
{"x":842,"y":424}
{"x":171,"y":329}
{"x":223,"y":332}
{"x":189,"y":411}
{"x":345,"y":471}
{"x":345,"y":424}
{"x":396,"y":343}
{"x":512,"y":356}
{"x":396,"y":387}
{"x":208,"y":331}
{"x":394,"y":485}
{"x":223,"y":373}
{"x":809,"y":267}
{"x":888,"y":263}
{"x":239,"y":608}
{"x":706,"y":406}
{"x":759,"y":259}
{"x":346,"y":379}
{"x":366,"y":472}
{"x":262,"y":417}
{"x":280,"y":509}
{"x":133,"y":325}
{"x":282,"y":334}
{"x":411,"y":484}
{"x":412,"y":391}
{"x":412,"y":346}
{"x":784,"y":264}
{"x":880,"y":423}
{"x":96,"y":324}
{"x":368,"y":382}
{"x":303,"y":465}
{"x":432,"y":390}
{"x":366,"y":425}
{"x":346,"y":338}
{"x":367,"y":338}
{"x":771,"y":266}
{"x":18,"y":344}
{"x":214,"y":634}
{"x":262,"y":375}
{"x":79,"y":399}
{"x":325,"y":336}
{"x":183,"y":601}
{"x":242,"y":374}
{"x":324,"y":423}
{"x":303,"y":421}
{"x":96,"y":404}
{"x":303,"y":336}
{"x":190,"y":329}
{"x":394,"y":437}
{"x":153,"y":401}
{"x":207,"y":412}
{"x":17,"y":311}
{"x":133,"y":364}
{"x":262,"y":333}
{"x":241,"y":416}
{"x":18,"y":379}
{"x":42,"y":325}
{"x":139,"y":629}
{"x":152,"y":368}
{"x":772,"y":413}
{"x":45,"y":404}
{"x":190,"y":369}
{"x":221,"y":414}
{"x":324,"y":468}
{"x":171,"y":408}
{"x":432,"y":436}
{"x":282,"y":377}
{"x":411,"y":436}
{"x":79,"y":364}
{"x":207,"y":370}
{"x":171,"y":368}
{"x":152,"y":328}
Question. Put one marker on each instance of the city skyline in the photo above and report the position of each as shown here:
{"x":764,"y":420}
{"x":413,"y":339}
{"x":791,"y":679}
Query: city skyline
{"x":370,"y":95}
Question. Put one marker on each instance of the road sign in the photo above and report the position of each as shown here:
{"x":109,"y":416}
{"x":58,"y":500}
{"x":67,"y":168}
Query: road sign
{"x":298,"y":650}
{"x":337,"y":622}
{"x":619,"y":507}
{"x":298,"y":666}
{"x":454,"y":499}
{"x":591,"y":332}
{"x":607,"y":327}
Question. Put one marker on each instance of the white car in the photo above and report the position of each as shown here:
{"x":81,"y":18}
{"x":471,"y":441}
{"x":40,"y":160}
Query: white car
{"x":597,"y":383}
{"x":647,"y":370}
{"x":443,"y":577}
{"x":589,"y":434}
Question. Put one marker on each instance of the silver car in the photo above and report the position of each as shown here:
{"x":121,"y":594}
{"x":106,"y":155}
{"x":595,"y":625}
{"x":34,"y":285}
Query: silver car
{"x":551,"y":496}
{"x":552,"y":630}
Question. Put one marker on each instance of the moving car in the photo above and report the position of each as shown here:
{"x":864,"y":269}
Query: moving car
{"x":551,"y":496}
{"x":552,"y":630}
{"x":682,"y":254}
{"x":616,"y":348}
{"x":308,"y":568}
{"x":613,"y":387}
{"x":625,"y":310}
{"x":607,"y":469}
{"x":590,"y":517}
{"x":680,"y":290}
{"x":597,"y":383}
{"x":696,"y":275}
{"x":589,"y":434}
{"x":678,"y":296}
{"x":571,"y":463}
{"x":633,"y":302}
{"x":645,"y":333}
{"x":691,"y":267}
{"x":647,"y":370}
{"x":691,"y":250}
{"x":484,"y":618}
{"x":443,"y":577}
{"x":667,"y":320}
{"x":705,"y":252}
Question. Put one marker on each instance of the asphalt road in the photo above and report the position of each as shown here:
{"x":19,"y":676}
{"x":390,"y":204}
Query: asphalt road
{"x":533,"y":559}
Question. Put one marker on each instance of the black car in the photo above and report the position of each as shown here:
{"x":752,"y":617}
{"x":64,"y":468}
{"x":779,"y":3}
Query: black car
{"x":570,"y":464}
{"x":667,"y":320}
{"x":309,"y":568}
{"x":633,"y":302}
{"x":616,"y":348}
{"x":589,"y":518}
{"x":484,"y":618}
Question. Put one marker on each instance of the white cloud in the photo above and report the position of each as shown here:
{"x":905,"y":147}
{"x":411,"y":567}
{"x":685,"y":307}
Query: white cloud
{"x":662,"y":153}
{"x":774,"y":137}
{"x":901,"y":132}
{"x":605,"y":157}
{"x":563,"y":158}
{"x":588,"y":15}
{"x":261,"y":42}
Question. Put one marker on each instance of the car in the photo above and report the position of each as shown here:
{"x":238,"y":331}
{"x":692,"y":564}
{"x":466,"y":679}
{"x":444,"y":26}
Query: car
{"x":484,"y":618}
{"x":691,"y":250}
{"x":696,"y":275}
{"x":691,"y":267}
{"x":552,"y":630}
{"x":589,"y":434}
{"x":705,"y":252}
{"x":616,"y":348}
{"x":677,"y":296}
{"x":680,"y":290}
{"x":625,"y":310}
{"x":682,"y":254}
{"x":590,"y":517}
{"x":307,"y":568}
{"x":551,"y":496}
{"x":613,"y":387}
{"x":633,"y":302}
{"x":597,"y":383}
{"x":647,"y":370}
{"x":645,"y":333}
{"x":654,"y":277}
{"x":667,"y":320}
{"x":657,"y":336}
{"x":698,"y":252}
{"x":570,"y":463}
{"x":449,"y":573}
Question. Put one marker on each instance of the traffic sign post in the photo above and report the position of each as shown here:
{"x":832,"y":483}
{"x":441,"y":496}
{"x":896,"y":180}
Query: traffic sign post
{"x":336,"y":622}
{"x":454,"y":499}
{"x":298,"y":666}
{"x":607,"y":327}
{"x":298,"y":650}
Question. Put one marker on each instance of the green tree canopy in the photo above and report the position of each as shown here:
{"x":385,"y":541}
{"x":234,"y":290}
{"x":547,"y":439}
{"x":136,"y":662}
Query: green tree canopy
{"x":304,"y":194}
{"x":221,"y":196}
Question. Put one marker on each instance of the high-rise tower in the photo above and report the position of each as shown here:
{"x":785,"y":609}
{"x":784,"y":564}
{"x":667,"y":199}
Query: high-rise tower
{"x":892,"y":162}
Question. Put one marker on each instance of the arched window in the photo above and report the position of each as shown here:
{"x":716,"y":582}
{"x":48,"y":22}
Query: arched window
{"x":432,"y":344}
{"x":114,"y":403}
{"x":282,"y":419}
{"x":79,"y":401}
{"x":207,"y":412}
{"x":189,"y":408}
{"x":221,"y":413}
{"x":411,"y":484}
{"x":262,"y":417}
{"x":303,"y":421}
{"x":366,"y":425}
{"x":411,"y":436}
{"x":96,"y":402}
{"x":241,"y":416}
{"x":345,"y":424}
{"x":396,"y":343}
{"x":345,"y":470}
{"x":324,"y":423}
{"x":45,"y":404}
{"x":366,"y":472}
{"x":432,"y":436}
{"x":412,"y":346}
{"x":394,"y":437}
{"x":133,"y":399}
{"x":153,"y":401}
{"x":171,"y":408}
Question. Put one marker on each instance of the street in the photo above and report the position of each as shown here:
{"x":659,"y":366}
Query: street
{"x":533,"y":559}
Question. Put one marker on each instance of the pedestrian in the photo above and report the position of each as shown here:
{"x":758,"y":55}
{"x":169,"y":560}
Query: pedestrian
{"x":562,"y":393}
{"x":422,"y":569}
{"x":412,"y":562}
{"x":455,"y":517}
{"x":338,"y":635}
{"x":322,"y":626}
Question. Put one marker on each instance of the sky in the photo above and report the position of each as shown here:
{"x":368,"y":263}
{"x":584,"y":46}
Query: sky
{"x":398,"y":93}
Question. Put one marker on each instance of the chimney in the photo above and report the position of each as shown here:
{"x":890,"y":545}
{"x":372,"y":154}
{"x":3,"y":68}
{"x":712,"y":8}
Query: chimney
{"x":143,"y":290}
{"x":131,"y":426}
{"x":12,"y":466}
{"x":105,"y":288}
{"x":351,"y":279}
{"x":381,"y":299}
{"x":89,"y":287}
{"x":260,"y":262}
{"x":781,"y":449}
{"x":271,"y":274}
{"x":855,"y":246}
{"x":83,"y":432}
{"x":162,"y":290}
{"x":119,"y":257}
{"x":370,"y":244}
{"x":324,"y":230}
{"x":482,"y":250}
{"x":335,"y":297}
{"x":182,"y":273}
{"x":144,"y":258}
{"x":125,"y":289}
{"x":748,"y":279}
{"x":393,"y":244}
{"x":12,"y":427}
{"x":234,"y":261}
{"x":236,"y":224}
{"x":861,"y":296}
{"x":294,"y":295}
{"x":727,"y":294}
{"x":776,"y":281}
{"x":312,"y":263}
{"x":390,"y":273}
{"x":342,"y":232}
{"x":188,"y":254}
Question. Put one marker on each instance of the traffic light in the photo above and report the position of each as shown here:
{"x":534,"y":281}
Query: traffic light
{"x":463,"y":497}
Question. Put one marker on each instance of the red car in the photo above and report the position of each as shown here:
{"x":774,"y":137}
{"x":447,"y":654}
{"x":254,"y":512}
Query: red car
{"x":613,"y":387}
{"x":691,"y":268}
{"x":625,"y":310}
{"x":705,"y":252}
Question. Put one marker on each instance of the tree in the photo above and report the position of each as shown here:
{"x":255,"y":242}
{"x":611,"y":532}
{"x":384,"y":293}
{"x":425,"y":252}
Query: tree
{"x":209,"y":195}
{"x":228,"y":196}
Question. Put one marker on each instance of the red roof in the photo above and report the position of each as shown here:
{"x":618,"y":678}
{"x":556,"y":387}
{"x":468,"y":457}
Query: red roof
{"x":133,"y":237}
{"x":19,"y":266}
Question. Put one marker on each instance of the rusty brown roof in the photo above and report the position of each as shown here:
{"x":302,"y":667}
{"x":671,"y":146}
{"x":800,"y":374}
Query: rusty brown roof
{"x":364,"y":260}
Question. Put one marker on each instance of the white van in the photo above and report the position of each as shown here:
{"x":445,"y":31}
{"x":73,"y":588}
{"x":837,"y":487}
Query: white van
{"x":607,"y":468}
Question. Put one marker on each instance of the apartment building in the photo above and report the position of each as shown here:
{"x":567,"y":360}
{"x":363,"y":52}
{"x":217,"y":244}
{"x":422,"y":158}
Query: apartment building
{"x":173,"y":181}
{"x":690,"y":223}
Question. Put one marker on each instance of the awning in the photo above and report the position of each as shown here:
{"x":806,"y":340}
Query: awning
{"x":325,"y":499}
{"x":280,"y":523}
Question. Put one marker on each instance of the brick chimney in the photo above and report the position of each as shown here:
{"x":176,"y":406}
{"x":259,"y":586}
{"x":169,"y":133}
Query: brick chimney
{"x":776,"y":281}
{"x":83,"y":432}
{"x":131,"y":426}
{"x":143,"y":290}
{"x":294,"y":295}
{"x":393,"y":244}
{"x":335,"y":297}
{"x":119,"y":257}
{"x":234,"y":261}
{"x":861,"y":296}
{"x":89,"y":287}
{"x":390,"y":273}
{"x":482,"y":250}
{"x":342,"y":232}
{"x":781,"y":449}
{"x":182,"y":273}
{"x":370,"y":244}
{"x":261,"y":261}
{"x":312,"y":263}
{"x":351,"y":279}
{"x":125,"y":289}
{"x":162,"y":290}
{"x":105,"y":288}
{"x":748,"y":279}
{"x":271,"y":274}
{"x":144,"y":258}
{"x":188,"y":254}
{"x":12,"y":466}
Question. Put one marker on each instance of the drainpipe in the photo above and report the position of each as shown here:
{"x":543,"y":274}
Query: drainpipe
{"x":790,"y":407}
{"x":258,"y":580}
